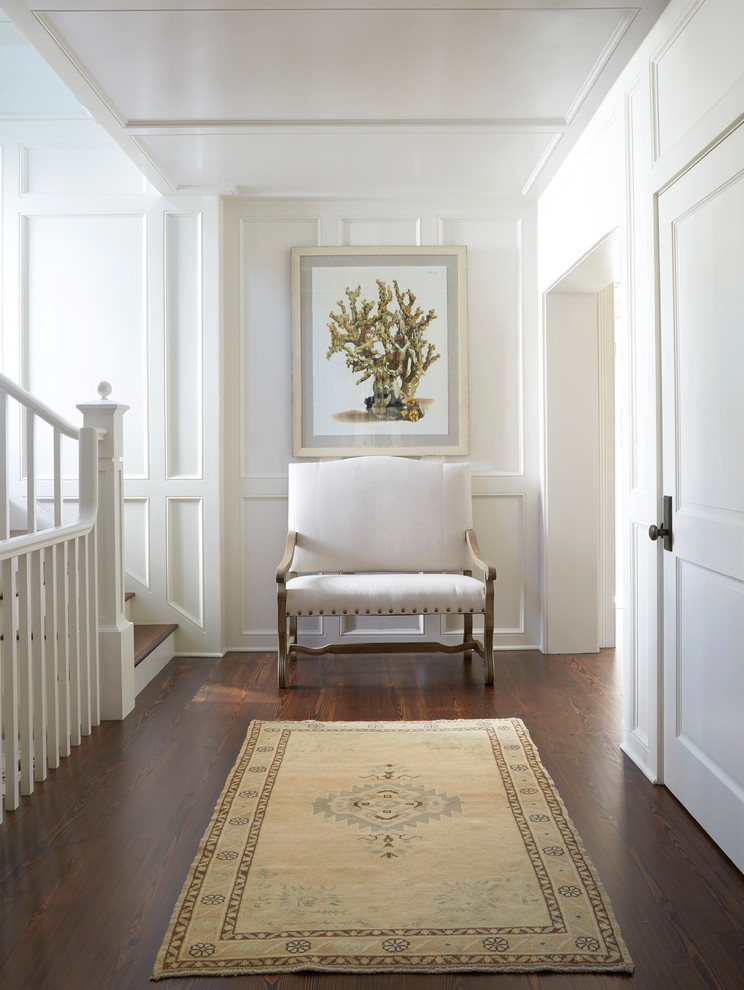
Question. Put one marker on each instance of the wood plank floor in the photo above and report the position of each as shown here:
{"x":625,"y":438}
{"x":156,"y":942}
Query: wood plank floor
{"x":92,"y":863}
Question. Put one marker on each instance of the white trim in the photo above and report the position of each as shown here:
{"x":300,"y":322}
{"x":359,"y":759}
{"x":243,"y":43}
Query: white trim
{"x":606,"y":516}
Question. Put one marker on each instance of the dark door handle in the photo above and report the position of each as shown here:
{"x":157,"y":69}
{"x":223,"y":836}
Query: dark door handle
{"x":655,"y":532}
{"x":665,"y":529}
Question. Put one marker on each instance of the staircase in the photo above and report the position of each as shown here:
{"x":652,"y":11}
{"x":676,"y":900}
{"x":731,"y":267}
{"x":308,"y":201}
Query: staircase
{"x":153,"y":647}
{"x":69,"y":655}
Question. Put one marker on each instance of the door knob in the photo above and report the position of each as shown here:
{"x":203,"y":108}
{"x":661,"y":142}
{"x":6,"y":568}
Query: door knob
{"x":655,"y":532}
{"x":665,"y":529}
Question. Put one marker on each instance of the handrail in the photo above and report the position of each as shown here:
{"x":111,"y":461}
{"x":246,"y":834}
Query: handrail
{"x":38,"y":407}
{"x":28,"y":542}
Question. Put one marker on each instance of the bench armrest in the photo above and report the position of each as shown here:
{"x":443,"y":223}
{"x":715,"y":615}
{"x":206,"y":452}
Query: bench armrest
{"x":286,"y":561}
{"x":488,"y":568}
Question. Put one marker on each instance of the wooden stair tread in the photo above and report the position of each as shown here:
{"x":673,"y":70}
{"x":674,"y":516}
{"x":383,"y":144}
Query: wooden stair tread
{"x":147,"y":637}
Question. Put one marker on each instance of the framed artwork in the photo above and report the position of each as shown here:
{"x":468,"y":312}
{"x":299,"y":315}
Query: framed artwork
{"x":379,"y":351}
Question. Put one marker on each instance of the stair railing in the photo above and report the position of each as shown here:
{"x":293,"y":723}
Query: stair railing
{"x":58,"y":588}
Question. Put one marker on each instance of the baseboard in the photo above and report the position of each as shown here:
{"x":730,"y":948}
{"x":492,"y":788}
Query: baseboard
{"x":201,"y":656}
{"x":632,"y":753}
{"x":250,"y":648}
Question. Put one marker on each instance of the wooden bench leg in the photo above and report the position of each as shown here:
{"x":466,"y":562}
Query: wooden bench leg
{"x":468,"y":634}
{"x":292,"y":634}
{"x":488,"y":651}
{"x":282,"y":662}
{"x":282,"y":651}
{"x":488,"y":621}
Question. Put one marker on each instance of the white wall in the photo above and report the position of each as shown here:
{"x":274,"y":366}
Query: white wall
{"x":571,"y":515}
{"x":682,"y":93}
{"x":105,"y":279}
{"x":500,"y":238}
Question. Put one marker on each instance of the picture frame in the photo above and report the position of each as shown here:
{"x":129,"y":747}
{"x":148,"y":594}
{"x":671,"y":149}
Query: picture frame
{"x":379,"y":351}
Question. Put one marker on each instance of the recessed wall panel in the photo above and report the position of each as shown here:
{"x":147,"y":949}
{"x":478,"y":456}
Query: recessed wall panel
{"x":87,"y":170}
{"x":183,"y":346}
{"x":265,"y":414}
{"x":499,"y":522}
{"x":709,"y":291}
{"x":261,"y":538}
{"x":494,"y":339}
{"x":699,"y":63}
{"x":452,"y":625}
{"x":711,"y":620}
{"x":384,"y":627}
{"x":83,"y":280}
{"x":137,"y":539}
{"x":310,"y":625}
{"x":370,"y":231}
{"x":185,"y":557}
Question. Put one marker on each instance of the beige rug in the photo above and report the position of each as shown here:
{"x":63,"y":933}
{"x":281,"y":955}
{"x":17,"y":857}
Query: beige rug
{"x":391,"y":846}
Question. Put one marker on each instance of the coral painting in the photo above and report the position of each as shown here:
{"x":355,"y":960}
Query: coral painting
{"x":383,"y":342}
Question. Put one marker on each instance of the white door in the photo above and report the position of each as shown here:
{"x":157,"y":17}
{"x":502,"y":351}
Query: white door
{"x":701,"y":243}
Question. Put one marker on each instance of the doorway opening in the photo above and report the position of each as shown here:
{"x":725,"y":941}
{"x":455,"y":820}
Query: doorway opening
{"x":583,"y":455}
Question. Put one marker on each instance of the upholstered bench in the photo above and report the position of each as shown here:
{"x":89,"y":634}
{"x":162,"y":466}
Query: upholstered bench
{"x":382,"y":536}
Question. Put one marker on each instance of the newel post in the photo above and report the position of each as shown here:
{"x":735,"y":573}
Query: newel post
{"x":115,"y":631}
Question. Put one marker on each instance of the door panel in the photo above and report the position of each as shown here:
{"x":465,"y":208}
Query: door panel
{"x":709,"y":719}
{"x":701,"y":245}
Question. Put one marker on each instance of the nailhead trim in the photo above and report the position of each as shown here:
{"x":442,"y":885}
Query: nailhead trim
{"x":380,"y":611}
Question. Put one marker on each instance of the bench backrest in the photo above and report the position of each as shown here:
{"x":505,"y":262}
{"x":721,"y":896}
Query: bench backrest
{"x":380,"y":514}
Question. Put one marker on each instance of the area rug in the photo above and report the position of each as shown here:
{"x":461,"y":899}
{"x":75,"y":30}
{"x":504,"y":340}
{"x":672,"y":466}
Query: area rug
{"x":427,"y":847}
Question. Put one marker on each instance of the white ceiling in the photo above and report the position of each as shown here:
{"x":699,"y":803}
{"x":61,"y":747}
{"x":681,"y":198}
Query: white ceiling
{"x":340,"y":97}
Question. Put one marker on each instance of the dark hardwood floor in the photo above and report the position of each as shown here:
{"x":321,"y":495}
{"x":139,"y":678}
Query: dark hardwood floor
{"x":92,"y":863}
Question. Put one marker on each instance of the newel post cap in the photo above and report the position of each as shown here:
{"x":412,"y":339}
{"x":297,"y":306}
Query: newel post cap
{"x":106,"y":415}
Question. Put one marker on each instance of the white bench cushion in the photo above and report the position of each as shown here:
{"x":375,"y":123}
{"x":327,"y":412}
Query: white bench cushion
{"x":380,"y":594}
